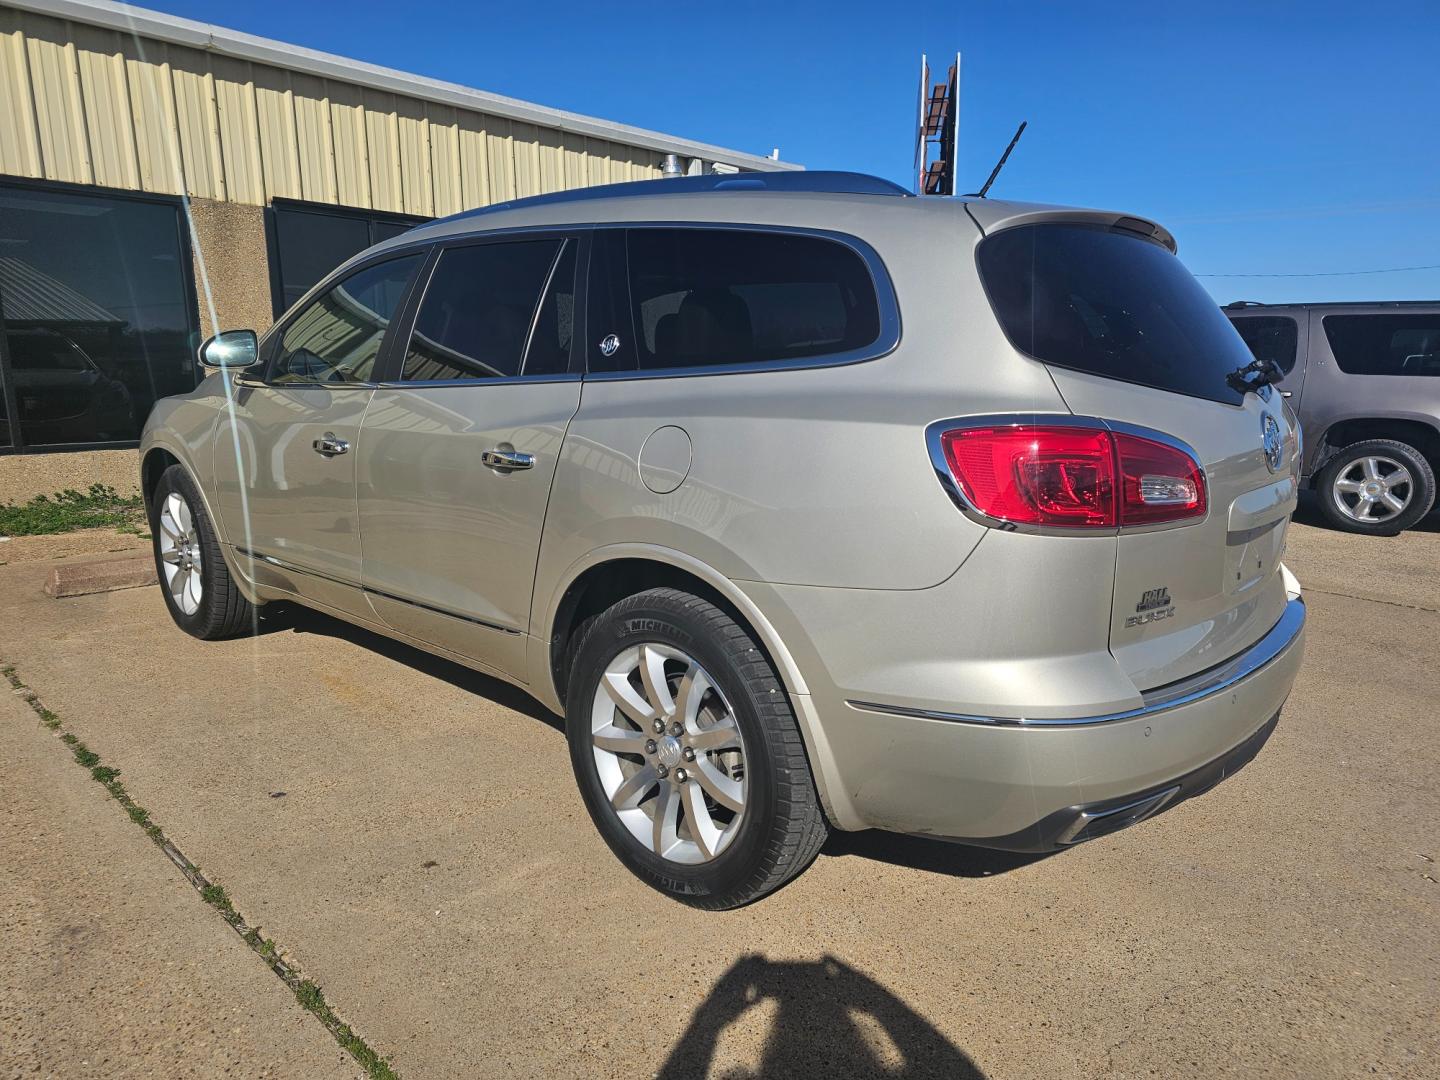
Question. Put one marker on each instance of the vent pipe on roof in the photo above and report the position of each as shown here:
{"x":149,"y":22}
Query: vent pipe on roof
{"x":670,"y":167}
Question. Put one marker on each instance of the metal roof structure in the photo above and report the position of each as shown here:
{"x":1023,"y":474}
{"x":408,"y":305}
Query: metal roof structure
{"x":34,"y":297}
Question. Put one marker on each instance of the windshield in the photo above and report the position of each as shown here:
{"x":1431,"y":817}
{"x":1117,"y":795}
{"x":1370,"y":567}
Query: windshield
{"x":1110,"y":303}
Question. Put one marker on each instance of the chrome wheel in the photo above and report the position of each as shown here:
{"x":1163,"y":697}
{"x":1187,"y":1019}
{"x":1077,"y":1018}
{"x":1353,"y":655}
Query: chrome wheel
{"x":180,"y":553}
{"x":669,"y":753}
{"x":1372,"y":490}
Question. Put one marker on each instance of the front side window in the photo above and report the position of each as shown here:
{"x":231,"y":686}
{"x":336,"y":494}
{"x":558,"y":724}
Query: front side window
{"x":1270,"y":337}
{"x":483,"y":308}
{"x":307,"y":242}
{"x":1110,"y":303}
{"x":1385,"y":344}
{"x":336,"y":340}
{"x":703,"y":297}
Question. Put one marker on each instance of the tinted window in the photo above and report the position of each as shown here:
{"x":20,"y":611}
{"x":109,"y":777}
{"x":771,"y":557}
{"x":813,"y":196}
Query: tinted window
{"x":311,"y":241}
{"x":337,"y":338}
{"x":714,"y":296}
{"x":1270,"y":337}
{"x":99,"y":314}
{"x":1110,"y":303}
{"x":479,"y":309}
{"x":1385,"y":344}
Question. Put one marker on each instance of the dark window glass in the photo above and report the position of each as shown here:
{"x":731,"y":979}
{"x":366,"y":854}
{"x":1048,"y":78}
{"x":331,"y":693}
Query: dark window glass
{"x":478,"y":310}
{"x":1270,"y":337}
{"x":99,"y":314}
{"x":337,"y":338}
{"x":1110,"y":303}
{"x":309,"y":242}
{"x":549,"y":352}
{"x":1385,"y":344}
{"x":716,"y":296}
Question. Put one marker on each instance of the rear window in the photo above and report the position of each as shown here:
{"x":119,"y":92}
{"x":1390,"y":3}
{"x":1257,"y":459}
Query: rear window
{"x":1110,"y":303}
{"x":1385,"y":344}
{"x":703,"y":297}
{"x":1270,"y":337}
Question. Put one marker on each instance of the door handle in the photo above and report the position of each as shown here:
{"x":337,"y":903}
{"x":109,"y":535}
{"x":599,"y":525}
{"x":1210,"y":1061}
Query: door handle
{"x":1287,"y":393}
{"x":329,"y":446}
{"x":507,"y":459}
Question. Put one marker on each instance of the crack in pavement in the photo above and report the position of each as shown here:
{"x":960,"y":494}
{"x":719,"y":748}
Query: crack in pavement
{"x":1369,"y":599}
{"x":307,"y":993}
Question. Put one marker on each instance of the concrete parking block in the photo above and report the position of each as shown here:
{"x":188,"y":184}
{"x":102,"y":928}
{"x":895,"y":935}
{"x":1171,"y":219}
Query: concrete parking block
{"x":101,"y":575}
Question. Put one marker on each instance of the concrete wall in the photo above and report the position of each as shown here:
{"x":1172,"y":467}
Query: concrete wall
{"x":232,"y":266}
{"x":24,"y":476}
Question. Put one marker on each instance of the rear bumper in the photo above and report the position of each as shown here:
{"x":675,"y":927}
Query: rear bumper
{"x":1021,"y":784}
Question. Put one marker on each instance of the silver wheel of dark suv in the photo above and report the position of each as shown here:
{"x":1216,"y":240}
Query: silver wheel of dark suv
{"x":1378,"y":486}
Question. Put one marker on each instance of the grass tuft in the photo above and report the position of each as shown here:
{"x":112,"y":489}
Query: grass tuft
{"x":68,"y":510}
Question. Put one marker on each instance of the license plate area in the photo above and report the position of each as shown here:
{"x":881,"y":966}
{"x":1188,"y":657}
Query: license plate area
{"x":1252,"y":555}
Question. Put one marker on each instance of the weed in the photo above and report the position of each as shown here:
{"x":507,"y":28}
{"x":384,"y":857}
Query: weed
{"x":69,"y":510}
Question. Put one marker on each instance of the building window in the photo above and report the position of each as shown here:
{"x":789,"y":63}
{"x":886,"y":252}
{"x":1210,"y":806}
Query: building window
{"x":307,"y":241}
{"x":98,"y":311}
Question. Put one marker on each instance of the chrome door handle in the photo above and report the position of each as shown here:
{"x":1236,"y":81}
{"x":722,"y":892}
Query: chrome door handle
{"x":329,"y":445}
{"x":507,"y":459}
{"x":1291,"y":393}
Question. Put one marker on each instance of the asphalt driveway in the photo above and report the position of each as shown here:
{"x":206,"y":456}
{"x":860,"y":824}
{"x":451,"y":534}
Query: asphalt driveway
{"x":409,"y":834}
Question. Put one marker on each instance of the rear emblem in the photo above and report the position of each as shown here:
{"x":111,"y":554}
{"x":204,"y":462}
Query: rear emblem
{"x":1270,"y":438}
{"x":609,"y":344}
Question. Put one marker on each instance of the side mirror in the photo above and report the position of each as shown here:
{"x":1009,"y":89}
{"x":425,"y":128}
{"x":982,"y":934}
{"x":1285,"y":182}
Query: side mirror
{"x":231,"y":349}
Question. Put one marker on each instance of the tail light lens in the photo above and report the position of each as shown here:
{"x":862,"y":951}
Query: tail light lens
{"x":1073,"y":477}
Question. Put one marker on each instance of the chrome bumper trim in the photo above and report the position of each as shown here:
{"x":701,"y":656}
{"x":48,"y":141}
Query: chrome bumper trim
{"x":1186,"y":691}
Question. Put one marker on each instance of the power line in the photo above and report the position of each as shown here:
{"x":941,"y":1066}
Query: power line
{"x":1336,"y":273}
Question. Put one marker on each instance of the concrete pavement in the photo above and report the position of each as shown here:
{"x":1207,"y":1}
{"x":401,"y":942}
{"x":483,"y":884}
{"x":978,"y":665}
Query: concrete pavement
{"x":431,"y":865}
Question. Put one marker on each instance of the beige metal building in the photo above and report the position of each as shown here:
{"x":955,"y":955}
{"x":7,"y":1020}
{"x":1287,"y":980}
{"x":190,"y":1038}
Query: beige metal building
{"x":160,"y":178}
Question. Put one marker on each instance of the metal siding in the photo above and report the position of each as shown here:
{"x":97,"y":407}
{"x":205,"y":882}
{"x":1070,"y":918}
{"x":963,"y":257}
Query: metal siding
{"x":59,"y":120}
{"x":19,"y":141}
{"x":87,"y":104}
{"x":352,"y":158}
{"x":279,"y":137}
{"x":108,"y":129}
{"x":314,"y":141}
{"x":382,"y":140}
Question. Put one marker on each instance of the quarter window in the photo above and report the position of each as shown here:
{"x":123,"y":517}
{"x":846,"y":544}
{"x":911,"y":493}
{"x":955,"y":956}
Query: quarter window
{"x":336,"y":340}
{"x":703,"y":297}
{"x":1270,"y":337}
{"x":1385,"y":344}
{"x":483,"y":308}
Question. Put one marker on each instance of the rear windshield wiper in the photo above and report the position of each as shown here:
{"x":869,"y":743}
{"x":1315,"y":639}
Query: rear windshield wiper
{"x":1254,"y":375}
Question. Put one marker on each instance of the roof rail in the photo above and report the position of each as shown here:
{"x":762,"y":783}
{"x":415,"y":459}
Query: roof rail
{"x":1243,"y":304}
{"x":823,"y":181}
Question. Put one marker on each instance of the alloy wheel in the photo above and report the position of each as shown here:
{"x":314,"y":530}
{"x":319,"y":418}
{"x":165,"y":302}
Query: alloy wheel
{"x":1372,"y":490}
{"x":180,"y":553}
{"x":669,"y":753}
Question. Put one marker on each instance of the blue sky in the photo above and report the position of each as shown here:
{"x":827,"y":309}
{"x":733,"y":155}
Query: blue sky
{"x":1270,"y":138}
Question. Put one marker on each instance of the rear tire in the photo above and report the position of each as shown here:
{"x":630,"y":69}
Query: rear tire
{"x":1379,"y":487}
{"x":665,"y":650}
{"x":202,"y":597}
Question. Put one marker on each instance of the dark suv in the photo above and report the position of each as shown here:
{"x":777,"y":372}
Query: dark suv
{"x":1365,"y":382}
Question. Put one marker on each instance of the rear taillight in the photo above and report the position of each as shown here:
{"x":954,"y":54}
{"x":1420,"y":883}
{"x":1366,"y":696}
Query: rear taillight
{"x":1072,"y":477}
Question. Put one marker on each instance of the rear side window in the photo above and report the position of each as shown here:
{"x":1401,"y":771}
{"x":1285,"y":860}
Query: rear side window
{"x":479,"y":312}
{"x":1385,"y":344}
{"x":1110,"y":303}
{"x":1270,"y":337}
{"x":705,"y":297}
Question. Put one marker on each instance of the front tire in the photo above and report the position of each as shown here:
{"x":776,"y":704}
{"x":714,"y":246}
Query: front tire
{"x":1378,"y":486}
{"x":202,"y":597}
{"x":687,"y":752}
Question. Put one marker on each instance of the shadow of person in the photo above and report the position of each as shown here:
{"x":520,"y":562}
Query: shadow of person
{"x":278,"y":618}
{"x":829,"y":1021}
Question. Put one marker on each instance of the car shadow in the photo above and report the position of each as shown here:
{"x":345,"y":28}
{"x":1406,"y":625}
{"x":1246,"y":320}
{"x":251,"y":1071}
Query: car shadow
{"x":1308,"y":513}
{"x":828,"y":1019}
{"x":928,"y":854}
{"x":278,"y":617}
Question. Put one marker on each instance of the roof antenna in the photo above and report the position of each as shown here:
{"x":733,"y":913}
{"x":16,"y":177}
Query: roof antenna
{"x":1003,"y":158}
